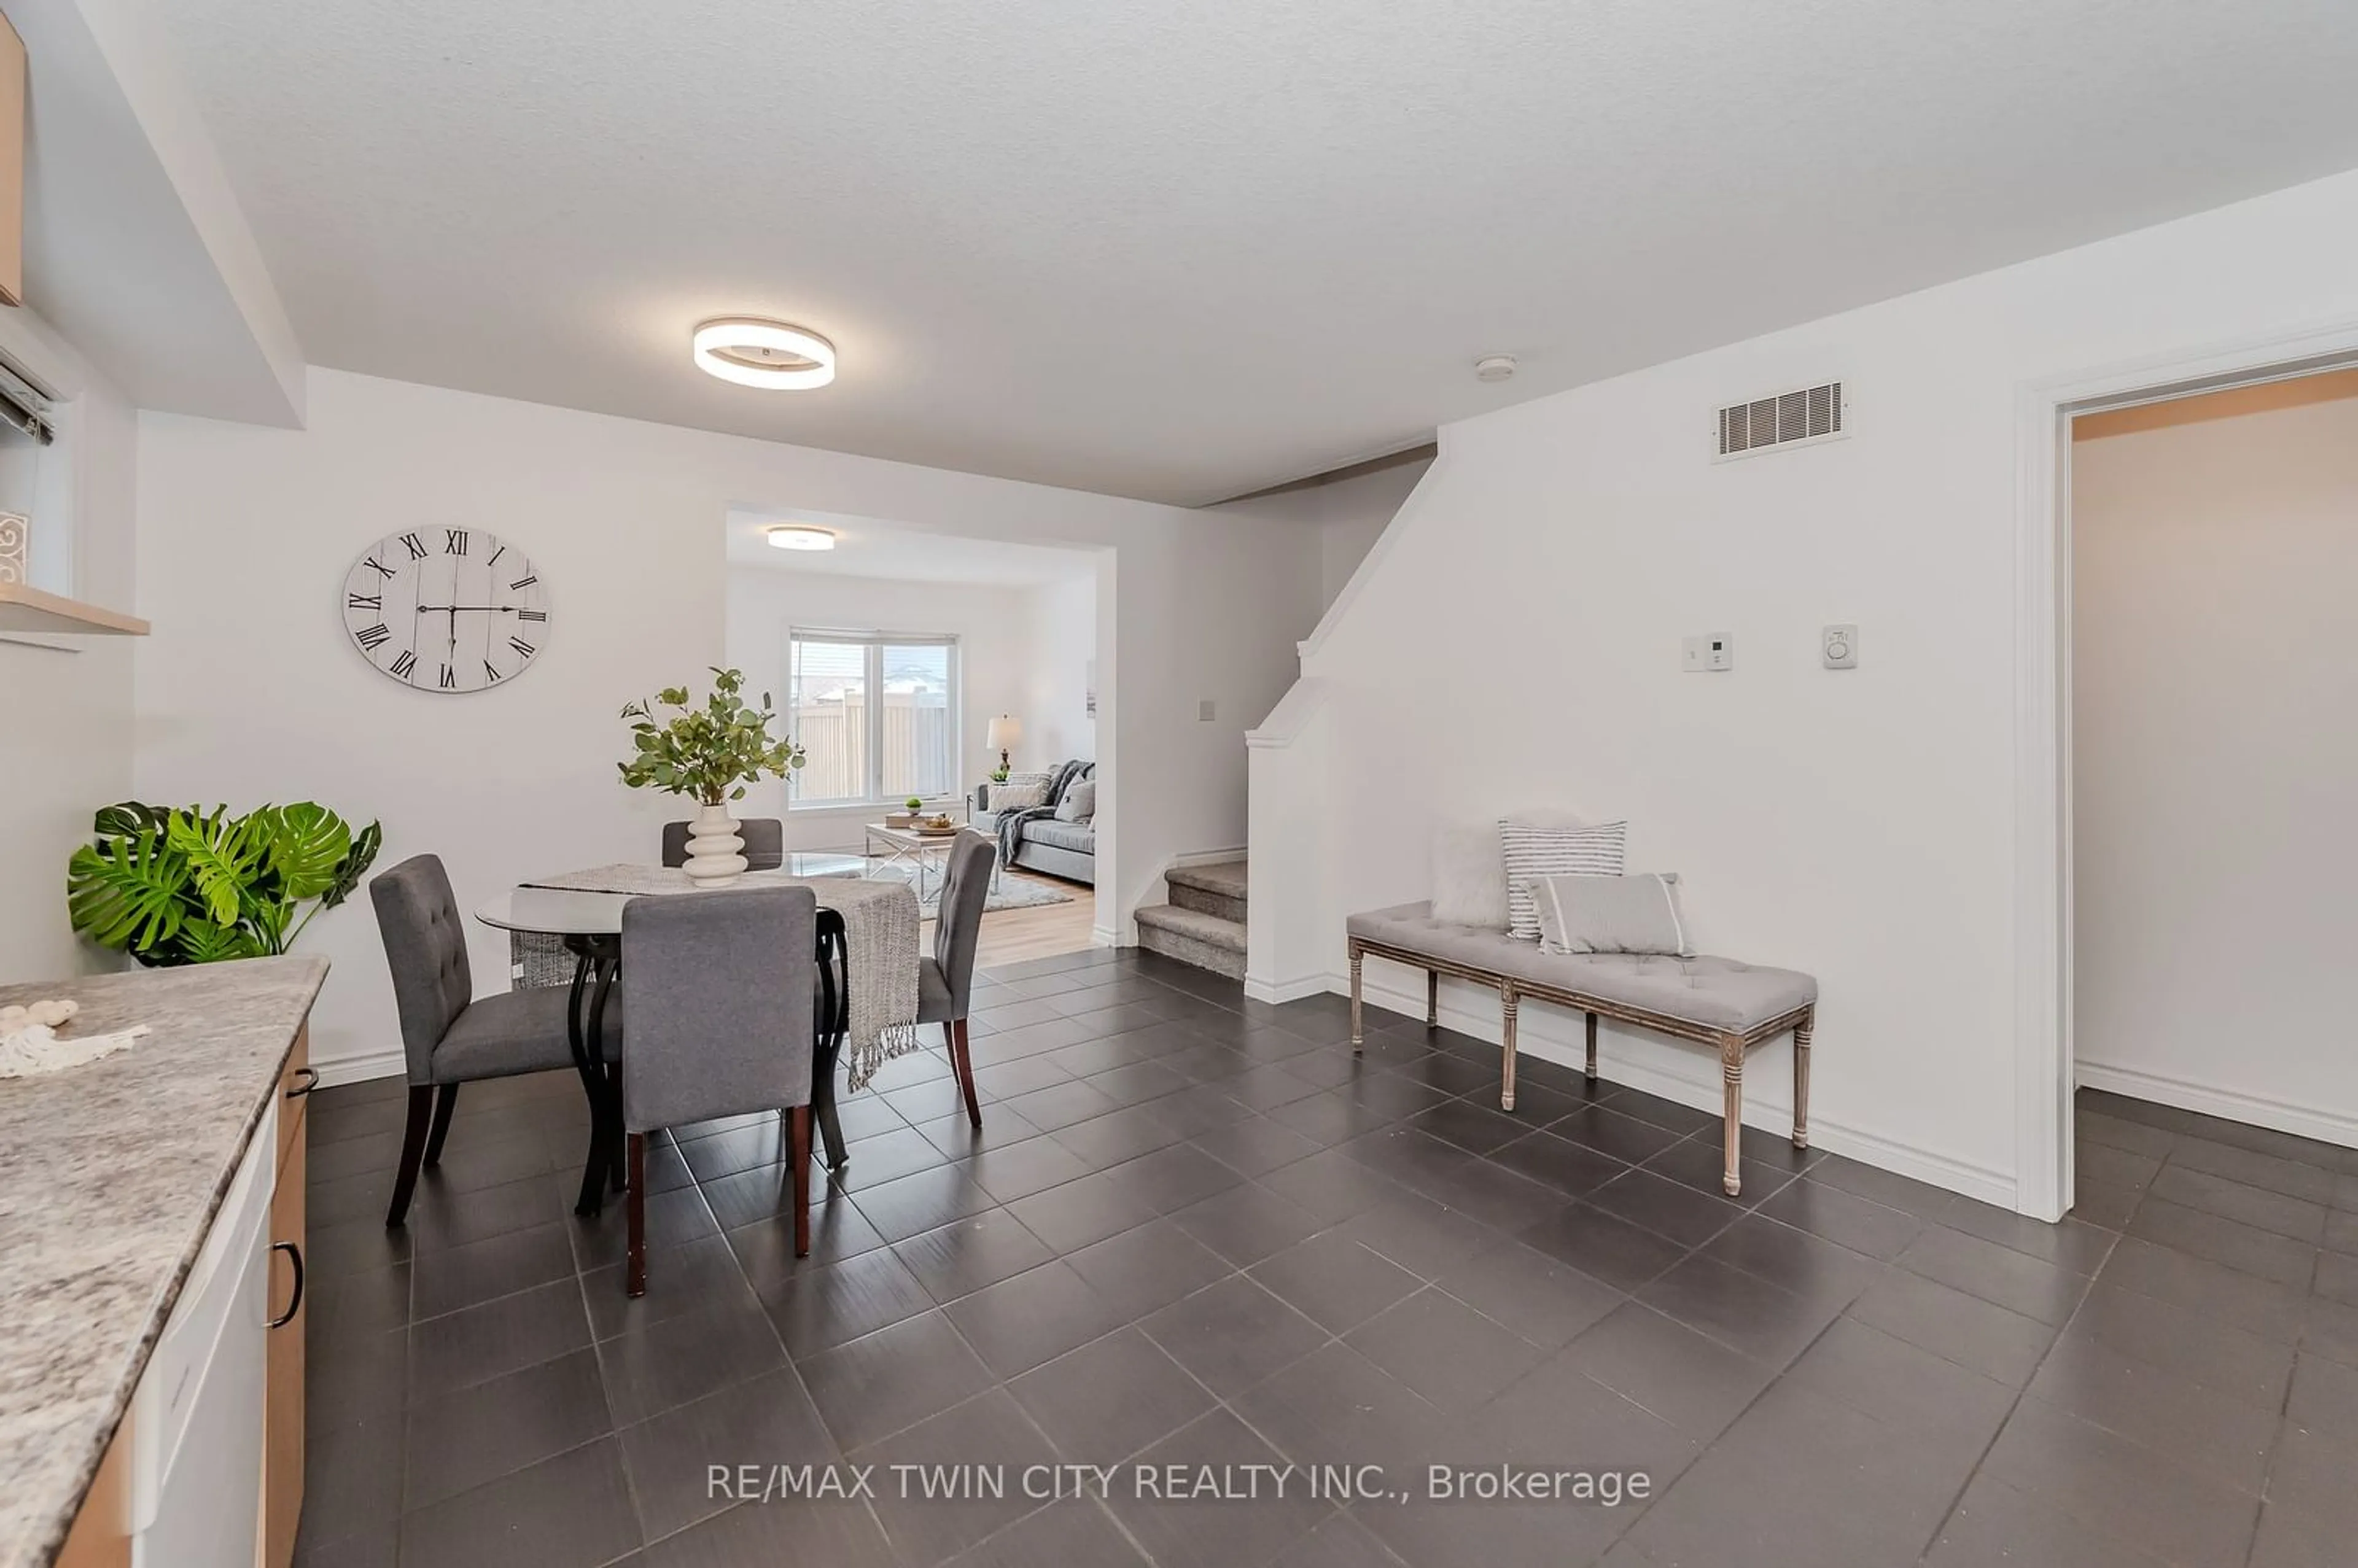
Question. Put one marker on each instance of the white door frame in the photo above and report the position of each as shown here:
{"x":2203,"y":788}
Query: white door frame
{"x":2042,"y":922}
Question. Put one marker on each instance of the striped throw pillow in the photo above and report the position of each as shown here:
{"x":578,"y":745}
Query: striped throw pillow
{"x":1532,"y":851}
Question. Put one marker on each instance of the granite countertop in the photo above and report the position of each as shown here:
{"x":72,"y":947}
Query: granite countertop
{"x":110,"y":1175}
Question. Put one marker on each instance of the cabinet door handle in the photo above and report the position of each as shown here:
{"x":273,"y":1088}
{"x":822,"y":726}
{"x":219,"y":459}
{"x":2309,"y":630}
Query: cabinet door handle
{"x":295,"y":1305}
{"x":305,"y":1080}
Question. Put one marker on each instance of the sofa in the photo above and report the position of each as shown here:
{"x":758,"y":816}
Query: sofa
{"x":1044,"y":842}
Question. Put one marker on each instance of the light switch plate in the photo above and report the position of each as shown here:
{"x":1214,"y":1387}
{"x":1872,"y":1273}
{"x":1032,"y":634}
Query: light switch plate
{"x":1838,"y":646}
{"x":1203,"y":711}
{"x":1707,"y":654}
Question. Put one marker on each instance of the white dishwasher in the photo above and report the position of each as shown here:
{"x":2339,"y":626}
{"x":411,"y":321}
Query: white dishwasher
{"x":196,"y":1455}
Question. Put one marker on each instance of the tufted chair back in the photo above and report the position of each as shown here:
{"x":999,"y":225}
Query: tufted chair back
{"x":426,"y":946}
{"x":958,"y":919}
{"x":718,"y":1012}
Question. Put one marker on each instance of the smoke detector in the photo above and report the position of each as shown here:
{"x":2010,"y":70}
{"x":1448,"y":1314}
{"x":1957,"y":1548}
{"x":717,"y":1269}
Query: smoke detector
{"x":1494,"y":367}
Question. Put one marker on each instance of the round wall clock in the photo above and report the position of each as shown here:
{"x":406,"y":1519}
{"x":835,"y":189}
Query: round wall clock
{"x":447,"y":608}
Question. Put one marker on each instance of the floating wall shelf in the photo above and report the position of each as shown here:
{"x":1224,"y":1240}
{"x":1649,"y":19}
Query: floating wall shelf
{"x":30,"y":609}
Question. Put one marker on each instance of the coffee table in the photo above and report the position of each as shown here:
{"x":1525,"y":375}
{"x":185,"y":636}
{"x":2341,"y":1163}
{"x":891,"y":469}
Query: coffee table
{"x":928,"y":852}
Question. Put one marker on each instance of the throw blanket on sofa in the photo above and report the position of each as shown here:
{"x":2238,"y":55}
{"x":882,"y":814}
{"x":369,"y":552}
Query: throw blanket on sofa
{"x":1010,"y":824}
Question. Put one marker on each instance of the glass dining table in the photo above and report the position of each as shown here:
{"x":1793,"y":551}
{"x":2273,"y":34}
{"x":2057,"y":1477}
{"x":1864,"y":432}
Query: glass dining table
{"x":589,"y":924}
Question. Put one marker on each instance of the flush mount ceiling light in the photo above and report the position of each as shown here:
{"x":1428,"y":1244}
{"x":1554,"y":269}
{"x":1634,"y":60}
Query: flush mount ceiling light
{"x":1494,"y":367}
{"x":754,"y":352}
{"x":799,"y":536}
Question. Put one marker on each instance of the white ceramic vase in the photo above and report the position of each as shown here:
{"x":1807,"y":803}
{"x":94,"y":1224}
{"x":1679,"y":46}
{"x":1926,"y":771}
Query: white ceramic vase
{"x":715,"y":850}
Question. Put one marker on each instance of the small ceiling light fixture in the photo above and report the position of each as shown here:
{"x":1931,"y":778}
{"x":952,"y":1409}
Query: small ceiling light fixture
{"x":771,"y":354}
{"x":800,"y":536}
{"x":1494,"y":367}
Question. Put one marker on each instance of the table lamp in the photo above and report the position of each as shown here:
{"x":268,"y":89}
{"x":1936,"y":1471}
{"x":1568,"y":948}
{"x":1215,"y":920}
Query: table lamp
{"x":1006,"y":734}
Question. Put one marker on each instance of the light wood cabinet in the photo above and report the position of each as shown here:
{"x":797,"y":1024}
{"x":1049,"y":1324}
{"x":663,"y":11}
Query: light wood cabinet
{"x":282,"y":1440}
{"x":100,"y":1537}
{"x":148,"y":1499}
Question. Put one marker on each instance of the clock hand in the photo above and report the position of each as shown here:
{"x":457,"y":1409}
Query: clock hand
{"x":454,"y":608}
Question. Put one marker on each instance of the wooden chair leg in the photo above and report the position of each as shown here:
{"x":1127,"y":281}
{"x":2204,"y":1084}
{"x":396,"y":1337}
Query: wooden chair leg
{"x":1592,"y":1047}
{"x":1507,"y":1001}
{"x":1358,"y":1040}
{"x":1731,"y":1070}
{"x":1432,"y":999}
{"x":1801,"y":1081}
{"x":962,"y":1059}
{"x":413,"y":1154}
{"x":634,"y":1276}
{"x":443,"y":1106}
{"x":799,"y":1124}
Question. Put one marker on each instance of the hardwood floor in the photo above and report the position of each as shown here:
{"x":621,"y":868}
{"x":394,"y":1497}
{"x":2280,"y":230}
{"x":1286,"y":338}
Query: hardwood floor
{"x":1015,"y":935}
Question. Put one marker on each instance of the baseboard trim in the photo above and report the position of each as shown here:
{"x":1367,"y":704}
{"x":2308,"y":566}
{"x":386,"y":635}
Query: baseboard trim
{"x":1205,"y":857}
{"x":2230,"y":1105}
{"x":361,"y":1069}
{"x":1765,"y":1106}
{"x":1279,"y":992}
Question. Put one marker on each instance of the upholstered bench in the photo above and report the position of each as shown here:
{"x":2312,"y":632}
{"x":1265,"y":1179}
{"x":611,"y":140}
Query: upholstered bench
{"x":1718,"y":1002}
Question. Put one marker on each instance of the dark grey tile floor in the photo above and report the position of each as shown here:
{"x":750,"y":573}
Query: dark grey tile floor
{"x":1196,"y":1232}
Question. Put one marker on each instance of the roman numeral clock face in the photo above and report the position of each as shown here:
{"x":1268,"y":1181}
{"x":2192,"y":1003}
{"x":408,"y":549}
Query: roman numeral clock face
{"x":448,"y":610}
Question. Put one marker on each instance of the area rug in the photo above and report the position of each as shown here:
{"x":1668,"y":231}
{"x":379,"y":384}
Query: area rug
{"x":1013,"y":892}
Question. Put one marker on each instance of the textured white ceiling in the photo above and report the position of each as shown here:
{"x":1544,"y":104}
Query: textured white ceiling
{"x":1181,"y":252}
{"x":865,"y":547}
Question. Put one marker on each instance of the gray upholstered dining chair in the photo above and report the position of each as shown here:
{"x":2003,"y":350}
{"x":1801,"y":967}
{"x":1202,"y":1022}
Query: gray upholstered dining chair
{"x":718,"y":1012}
{"x":766,"y":843}
{"x":946,"y":980}
{"x":450,"y":1035}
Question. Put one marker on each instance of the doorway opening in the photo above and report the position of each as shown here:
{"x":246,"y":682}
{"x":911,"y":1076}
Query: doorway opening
{"x":909,"y":665}
{"x":2205,"y":750}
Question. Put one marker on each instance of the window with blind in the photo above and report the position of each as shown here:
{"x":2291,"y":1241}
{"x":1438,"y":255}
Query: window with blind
{"x":877,"y":715}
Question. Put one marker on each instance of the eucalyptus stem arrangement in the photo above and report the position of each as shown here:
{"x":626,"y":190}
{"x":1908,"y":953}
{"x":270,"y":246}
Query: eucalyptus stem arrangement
{"x":708,"y":753}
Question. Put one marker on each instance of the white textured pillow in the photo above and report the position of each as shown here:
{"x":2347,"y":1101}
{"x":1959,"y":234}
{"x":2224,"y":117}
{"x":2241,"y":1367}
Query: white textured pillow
{"x":1014,"y":797}
{"x":1531,"y":851}
{"x":1469,"y":874}
{"x":1636,"y":914}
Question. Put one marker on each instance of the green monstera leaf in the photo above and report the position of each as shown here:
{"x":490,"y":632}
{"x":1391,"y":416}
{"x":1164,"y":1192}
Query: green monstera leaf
{"x":203,"y":942}
{"x":125,"y":892}
{"x":307,"y":845}
{"x":356,"y":862}
{"x":222,"y":854}
{"x":185,"y":885}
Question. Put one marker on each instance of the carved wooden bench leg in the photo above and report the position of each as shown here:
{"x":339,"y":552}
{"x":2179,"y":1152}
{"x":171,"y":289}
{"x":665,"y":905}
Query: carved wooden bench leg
{"x":1801,"y":1033}
{"x":1357,"y":957}
{"x":1730,"y":1069}
{"x":1432,"y":999}
{"x":1507,"y":999}
{"x":1592,"y":1047}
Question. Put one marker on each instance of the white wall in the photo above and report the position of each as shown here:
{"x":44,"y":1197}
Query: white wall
{"x":992,"y":625}
{"x":1347,"y":515}
{"x":1057,"y":724}
{"x":65,"y":708}
{"x":1515,"y":638}
{"x":250,"y":691}
{"x":2215,"y":762}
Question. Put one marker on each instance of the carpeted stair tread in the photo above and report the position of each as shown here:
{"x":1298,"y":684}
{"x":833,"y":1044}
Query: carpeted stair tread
{"x":1195,"y":926}
{"x":1225,"y":879}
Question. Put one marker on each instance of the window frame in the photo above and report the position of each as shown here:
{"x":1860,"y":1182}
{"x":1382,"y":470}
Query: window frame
{"x":874,"y":643}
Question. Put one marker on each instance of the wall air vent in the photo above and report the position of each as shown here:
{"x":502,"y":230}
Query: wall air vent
{"x":1788,"y":419}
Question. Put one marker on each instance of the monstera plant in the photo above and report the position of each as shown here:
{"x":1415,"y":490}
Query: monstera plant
{"x":173,"y":885}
